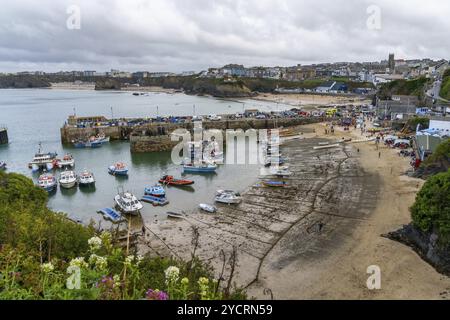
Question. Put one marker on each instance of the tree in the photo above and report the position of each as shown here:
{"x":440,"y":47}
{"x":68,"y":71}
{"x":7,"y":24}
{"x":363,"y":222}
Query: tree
{"x":431,"y":211}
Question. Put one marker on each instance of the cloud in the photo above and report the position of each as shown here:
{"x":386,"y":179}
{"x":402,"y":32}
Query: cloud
{"x":176,"y":35}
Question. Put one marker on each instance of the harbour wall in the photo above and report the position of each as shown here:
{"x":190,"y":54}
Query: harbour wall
{"x":157,"y":137}
{"x":70,"y":133}
{"x":3,"y":135}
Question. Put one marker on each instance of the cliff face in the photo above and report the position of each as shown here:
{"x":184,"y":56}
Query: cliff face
{"x":22,"y":82}
{"x":108,"y":84}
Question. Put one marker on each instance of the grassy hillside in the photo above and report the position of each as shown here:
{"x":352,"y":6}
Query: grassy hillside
{"x":414,"y":87}
{"x":445,"y":89}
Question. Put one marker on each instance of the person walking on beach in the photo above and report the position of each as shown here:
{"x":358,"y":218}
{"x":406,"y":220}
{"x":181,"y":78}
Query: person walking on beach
{"x":379,"y":155}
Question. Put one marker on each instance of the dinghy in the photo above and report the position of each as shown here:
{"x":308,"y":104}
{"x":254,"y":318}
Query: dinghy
{"x":274,"y":184}
{"x":175,"y":215}
{"x":111,"y":214}
{"x":157,"y":191}
{"x":171,"y":181}
{"x":202,"y":168}
{"x":207,"y":207}
{"x":232,"y":192}
{"x":228,"y":199}
{"x":128,"y":203}
{"x":118,"y":169}
{"x":68,"y":179}
{"x":156,"y":201}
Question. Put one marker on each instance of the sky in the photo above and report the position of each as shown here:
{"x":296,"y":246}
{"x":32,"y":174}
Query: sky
{"x":184,"y":35}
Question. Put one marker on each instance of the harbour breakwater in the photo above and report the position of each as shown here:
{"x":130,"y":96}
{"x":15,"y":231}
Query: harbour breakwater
{"x":156,"y":136}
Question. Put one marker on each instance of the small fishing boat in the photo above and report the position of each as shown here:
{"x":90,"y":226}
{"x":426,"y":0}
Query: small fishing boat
{"x":175,"y":215}
{"x":207,"y":207}
{"x":66,"y":161}
{"x":157,"y":191}
{"x":171,"y":181}
{"x":118,"y":169}
{"x":232,"y":192}
{"x":100,"y":138}
{"x":68,"y":179}
{"x":274,"y":184}
{"x":86,"y":178}
{"x":228,"y":199}
{"x":2,"y":165}
{"x":156,"y":201}
{"x":111,"y":214}
{"x":202,"y":168}
{"x":47,"y":182}
{"x":128,"y":203}
{"x":42,"y":160}
{"x":86,"y":144}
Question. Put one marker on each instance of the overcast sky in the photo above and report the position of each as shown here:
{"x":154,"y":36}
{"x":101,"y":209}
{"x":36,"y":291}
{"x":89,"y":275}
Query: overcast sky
{"x":178,"y":35}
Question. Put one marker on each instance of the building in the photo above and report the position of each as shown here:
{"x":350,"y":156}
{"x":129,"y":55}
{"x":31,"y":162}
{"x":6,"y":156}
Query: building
{"x":428,"y":140}
{"x":234,"y":70}
{"x":299,"y":73}
{"x":332,"y":87}
{"x":397,"y":107}
{"x":391,"y":63}
{"x":89,"y":73}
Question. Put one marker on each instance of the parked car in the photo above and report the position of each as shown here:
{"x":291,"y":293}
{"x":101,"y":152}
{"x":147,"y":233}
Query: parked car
{"x":214,"y":117}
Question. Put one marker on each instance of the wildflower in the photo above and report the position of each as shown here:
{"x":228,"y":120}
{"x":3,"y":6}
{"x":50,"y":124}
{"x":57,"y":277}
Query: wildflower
{"x":116,"y":279}
{"x":100,"y":263}
{"x":78,"y":262}
{"x":185,"y":281}
{"x":172,"y":273}
{"x":106,"y":237}
{"x":129,"y":260}
{"x":47,"y":267}
{"x":156,"y":295}
{"x":139,"y":259}
{"x":95,"y":243}
{"x":203,"y":284}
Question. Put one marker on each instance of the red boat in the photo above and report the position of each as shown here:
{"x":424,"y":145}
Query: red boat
{"x":170,"y":180}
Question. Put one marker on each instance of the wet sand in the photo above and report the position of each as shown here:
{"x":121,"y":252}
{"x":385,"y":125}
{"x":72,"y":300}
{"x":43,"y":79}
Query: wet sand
{"x":316,"y":237}
{"x":312,"y":100}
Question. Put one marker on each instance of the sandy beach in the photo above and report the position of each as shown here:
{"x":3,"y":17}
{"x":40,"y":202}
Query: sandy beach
{"x":311,"y":100}
{"x":315,"y":238}
{"x":91,"y":86}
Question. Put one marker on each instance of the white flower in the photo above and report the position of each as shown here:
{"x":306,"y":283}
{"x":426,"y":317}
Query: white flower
{"x":129,"y":260}
{"x":78,"y":262}
{"x":47,"y":267}
{"x":139,"y":259}
{"x":95,"y":243}
{"x":116,"y":279}
{"x":100,"y":263}
{"x":172,"y":274}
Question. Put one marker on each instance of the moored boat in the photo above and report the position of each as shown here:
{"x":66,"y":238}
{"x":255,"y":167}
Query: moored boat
{"x":232,"y":192}
{"x":228,"y":199}
{"x":171,"y":181}
{"x":66,"y":161}
{"x":274,"y":184}
{"x":86,"y":178}
{"x":156,"y":201}
{"x":47,"y":182}
{"x":68,"y":179}
{"x":42,"y":160}
{"x":207,"y":207}
{"x":118,"y":169}
{"x":128,"y":203}
{"x":202,"y":168}
{"x":157,"y":191}
{"x":111,"y":214}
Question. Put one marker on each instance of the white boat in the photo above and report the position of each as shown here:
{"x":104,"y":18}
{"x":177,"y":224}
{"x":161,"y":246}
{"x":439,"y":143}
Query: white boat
{"x":86,"y":178}
{"x":207,"y":207}
{"x":280,"y":171}
{"x":68,"y":179}
{"x":67,"y":161}
{"x":128,"y":203}
{"x":228,"y":199}
{"x":47,"y":182}
{"x":232,"y":192}
{"x":43,"y":160}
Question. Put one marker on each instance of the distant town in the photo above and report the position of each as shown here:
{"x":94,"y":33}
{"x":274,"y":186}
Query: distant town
{"x":372,"y":72}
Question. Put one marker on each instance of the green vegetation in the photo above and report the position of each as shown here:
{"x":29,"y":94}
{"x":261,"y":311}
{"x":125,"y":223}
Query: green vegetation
{"x":440,"y":158}
{"x":413,"y":122}
{"x":414,"y":87}
{"x":445,"y":89}
{"x":431,"y":211}
{"x":43,"y":255}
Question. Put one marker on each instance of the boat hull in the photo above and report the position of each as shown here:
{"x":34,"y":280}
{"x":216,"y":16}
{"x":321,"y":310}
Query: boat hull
{"x":189,"y":169}
{"x":68,"y":185}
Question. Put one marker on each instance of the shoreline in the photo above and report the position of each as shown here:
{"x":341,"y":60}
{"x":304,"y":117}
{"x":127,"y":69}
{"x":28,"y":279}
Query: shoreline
{"x":356,"y":196}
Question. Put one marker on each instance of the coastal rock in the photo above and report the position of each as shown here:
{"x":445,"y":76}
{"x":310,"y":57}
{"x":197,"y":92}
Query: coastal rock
{"x":108,"y":84}
{"x":23,"y":82}
{"x":424,"y":244}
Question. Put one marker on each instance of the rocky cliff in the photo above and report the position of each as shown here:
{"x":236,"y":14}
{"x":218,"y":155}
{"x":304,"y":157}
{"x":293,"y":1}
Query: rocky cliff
{"x":108,"y":84}
{"x":22,"y":82}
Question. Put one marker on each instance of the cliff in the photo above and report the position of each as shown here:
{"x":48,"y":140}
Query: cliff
{"x":21,"y":82}
{"x":108,"y":84}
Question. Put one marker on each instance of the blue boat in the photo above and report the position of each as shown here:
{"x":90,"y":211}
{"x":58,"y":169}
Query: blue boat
{"x":111,"y":214}
{"x":47,"y":182}
{"x":157,"y":191}
{"x":119,"y":169}
{"x":87,"y":144}
{"x":203,"y":168}
{"x":275,"y":184}
{"x":156,"y":201}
